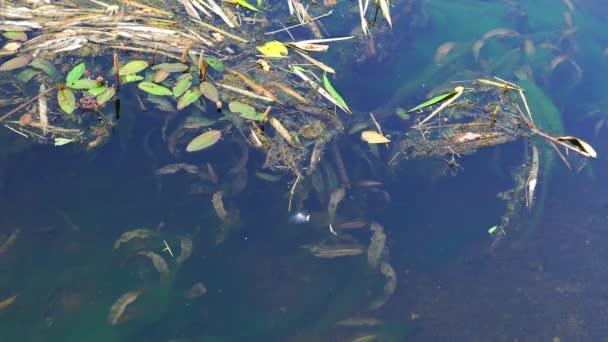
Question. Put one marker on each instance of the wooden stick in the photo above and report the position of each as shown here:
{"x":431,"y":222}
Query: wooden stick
{"x":27,"y":103}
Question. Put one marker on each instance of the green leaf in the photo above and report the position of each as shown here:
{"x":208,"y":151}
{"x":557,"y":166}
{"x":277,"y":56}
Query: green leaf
{"x":97,"y":90}
{"x":67,"y":100}
{"x":62,"y":141}
{"x":245,"y":4}
{"x":246,"y":111}
{"x":154,"y":89}
{"x":27,"y":75}
{"x":171,"y":67}
{"x":204,"y":140}
{"x":189,"y":97}
{"x":209,"y":91}
{"x":21,"y":36}
{"x":133,"y":67}
{"x":46,"y":67}
{"x":273,"y":49}
{"x":433,"y":101}
{"x":184,"y":82}
{"x":15,"y":63}
{"x":131,"y":78}
{"x":215,"y":63}
{"x":259,"y":3}
{"x":334,"y":93}
{"x":76,"y":73}
{"x":492,"y":229}
{"x":83,"y":84}
{"x":106,"y":96}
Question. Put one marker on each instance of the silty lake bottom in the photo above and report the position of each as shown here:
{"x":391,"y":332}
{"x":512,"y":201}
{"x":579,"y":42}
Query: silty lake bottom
{"x":68,"y":272}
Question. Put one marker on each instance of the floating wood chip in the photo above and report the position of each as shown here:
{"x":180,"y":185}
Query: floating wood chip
{"x":373,"y":137}
{"x":121,"y":304}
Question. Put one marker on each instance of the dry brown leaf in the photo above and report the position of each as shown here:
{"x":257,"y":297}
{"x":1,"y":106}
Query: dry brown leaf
{"x":159,"y":263}
{"x":581,"y":145}
{"x":373,"y":137}
{"x":121,"y":304}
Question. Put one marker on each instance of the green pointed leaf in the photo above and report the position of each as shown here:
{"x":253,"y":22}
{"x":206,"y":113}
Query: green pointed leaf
{"x":83,"y":84}
{"x":209,"y":91}
{"x":433,"y":101}
{"x":131,"y":78}
{"x":46,"y":67}
{"x":97,"y":90}
{"x":171,"y":67}
{"x":259,"y":3}
{"x":106,"y":95}
{"x":246,"y":111}
{"x":76,"y":73}
{"x":334,"y":93}
{"x":204,"y":140}
{"x":62,"y":141}
{"x":15,"y":63}
{"x":19,"y":35}
{"x":133,"y":67}
{"x":189,"y":97}
{"x":245,"y":4}
{"x":67,"y":100}
{"x":215,"y":63}
{"x":184,"y":82}
{"x":492,"y":229}
{"x":27,"y":75}
{"x":154,"y":89}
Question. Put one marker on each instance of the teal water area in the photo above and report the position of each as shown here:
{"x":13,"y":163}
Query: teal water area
{"x":543,"y":281}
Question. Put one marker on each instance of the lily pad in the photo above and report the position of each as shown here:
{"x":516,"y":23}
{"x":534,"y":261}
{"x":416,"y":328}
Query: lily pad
{"x":67,"y":100}
{"x":204,"y":140}
{"x":188,"y":98}
{"x":154,"y":89}
{"x":133,"y":67}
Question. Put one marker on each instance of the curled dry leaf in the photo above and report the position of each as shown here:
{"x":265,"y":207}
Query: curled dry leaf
{"x":373,"y":137}
{"x":159,"y":263}
{"x":119,"y":306}
{"x":584,"y":148}
{"x":443,"y":50}
{"x":196,"y":291}
{"x":141,"y":233}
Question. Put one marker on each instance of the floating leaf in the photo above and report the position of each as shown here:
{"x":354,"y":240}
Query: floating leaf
{"x":83,"y":84}
{"x":373,"y":137}
{"x":209,"y":91}
{"x":273,"y":49}
{"x":21,"y":36}
{"x":259,"y":3}
{"x":184,"y":82}
{"x":245,"y":110}
{"x":581,"y":145}
{"x":433,"y":101}
{"x":133,"y":67}
{"x":189,"y":97}
{"x":106,"y":96}
{"x":131,"y":78}
{"x":171,"y":67}
{"x":245,"y":4}
{"x":62,"y":141}
{"x":27,"y":75}
{"x":204,"y":140}
{"x":215,"y":63}
{"x":154,"y":89}
{"x":335,"y":94}
{"x":76,"y":73}
{"x":15,"y":63}
{"x":160,"y":76}
{"x":46,"y":67}
{"x":492,"y":229}
{"x":66,"y":99}
{"x":97,"y":90}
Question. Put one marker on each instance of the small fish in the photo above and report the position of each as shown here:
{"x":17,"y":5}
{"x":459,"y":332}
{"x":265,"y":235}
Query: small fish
{"x":300,"y":217}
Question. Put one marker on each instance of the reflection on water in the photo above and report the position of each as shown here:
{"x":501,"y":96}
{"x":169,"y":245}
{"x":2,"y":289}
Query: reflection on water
{"x":138,"y":240}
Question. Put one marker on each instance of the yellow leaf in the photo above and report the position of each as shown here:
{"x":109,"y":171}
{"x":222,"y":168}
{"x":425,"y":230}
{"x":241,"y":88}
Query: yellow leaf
{"x":273,"y":49}
{"x":373,"y":137}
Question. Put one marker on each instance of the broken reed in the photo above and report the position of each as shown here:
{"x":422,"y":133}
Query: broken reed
{"x":117,"y":70}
